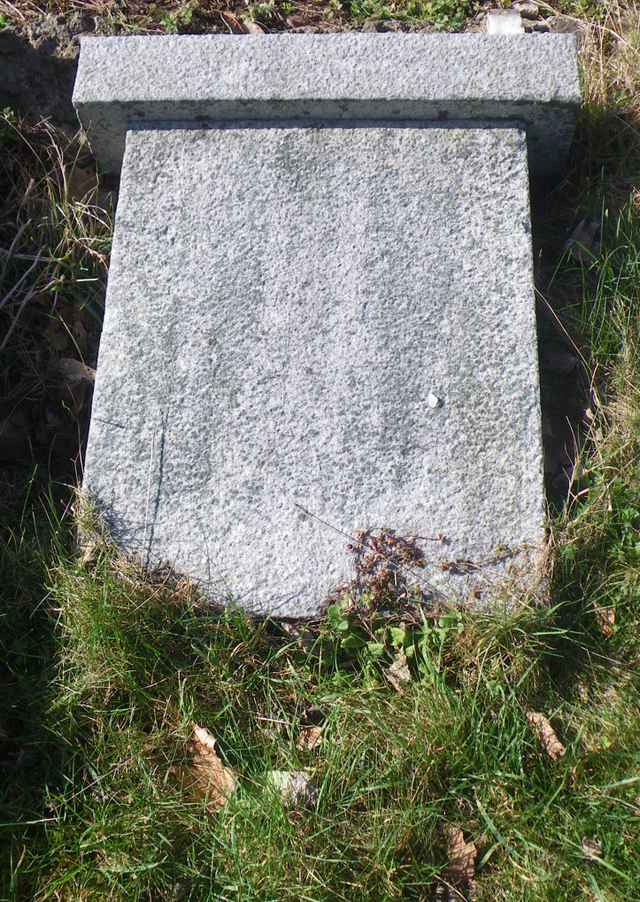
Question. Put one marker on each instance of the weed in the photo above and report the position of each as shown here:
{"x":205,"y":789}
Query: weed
{"x":177,"y":20}
{"x":442,"y":14}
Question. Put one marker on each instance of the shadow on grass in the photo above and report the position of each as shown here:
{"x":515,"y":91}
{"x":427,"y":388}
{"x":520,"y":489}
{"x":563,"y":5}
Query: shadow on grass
{"x":568,"y":224}
{"x":31,"y":756}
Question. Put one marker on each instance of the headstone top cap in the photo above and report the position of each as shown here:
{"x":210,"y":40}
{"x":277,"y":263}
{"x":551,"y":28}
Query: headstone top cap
{"x":532,"y":79}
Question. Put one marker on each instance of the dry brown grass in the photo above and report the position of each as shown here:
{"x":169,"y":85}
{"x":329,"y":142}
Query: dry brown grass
{"x":54,"y":238}
{"x":610,"y":134}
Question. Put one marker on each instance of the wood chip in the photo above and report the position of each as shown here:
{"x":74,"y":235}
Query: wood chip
{"x":546,"y":735}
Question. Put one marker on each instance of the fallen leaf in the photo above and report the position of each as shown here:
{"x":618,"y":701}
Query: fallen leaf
{"x":606,"y":619}
{"x":309,"y":738}
{"x":592,"y":848}
{"x":294,"y":787}
{"x":398,"y":672}
{"x":461,"y":870}
{"x":545,"y":733}
{"x":211,"y":779}
{"x":75,"y":371}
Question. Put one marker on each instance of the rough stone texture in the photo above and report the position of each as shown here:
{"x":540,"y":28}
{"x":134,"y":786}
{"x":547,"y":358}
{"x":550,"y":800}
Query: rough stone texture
{"x":281,"y":305}
{"x":532,"y":78}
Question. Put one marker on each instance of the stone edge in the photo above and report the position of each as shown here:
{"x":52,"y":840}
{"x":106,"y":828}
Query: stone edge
{"x":159,"y":80}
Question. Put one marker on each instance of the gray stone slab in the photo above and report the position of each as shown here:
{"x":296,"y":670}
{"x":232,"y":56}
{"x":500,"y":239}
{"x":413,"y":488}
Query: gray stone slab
{"x":532,"y":78}
{"x":283,"y":307}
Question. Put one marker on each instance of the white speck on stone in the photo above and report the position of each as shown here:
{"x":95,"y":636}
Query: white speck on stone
{"x":434,"y":401}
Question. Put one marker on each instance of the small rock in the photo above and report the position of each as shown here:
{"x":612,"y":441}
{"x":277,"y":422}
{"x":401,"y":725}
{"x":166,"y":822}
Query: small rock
{"x":584,"y":242}
{"x":504,"y":21}
{"x":252,"y":27}
{"x":434,"y":401}
{"x":74,"y":371}
{"x":541,"y":26}
{"x":294,"y":786}
{"x":390,"y":25}
{"x":567,"y":25}
{"x":296,"y":21}
{"x":527,"y":9}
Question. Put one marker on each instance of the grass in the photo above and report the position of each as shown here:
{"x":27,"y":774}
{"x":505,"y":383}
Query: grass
{"x":103,"y":673}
